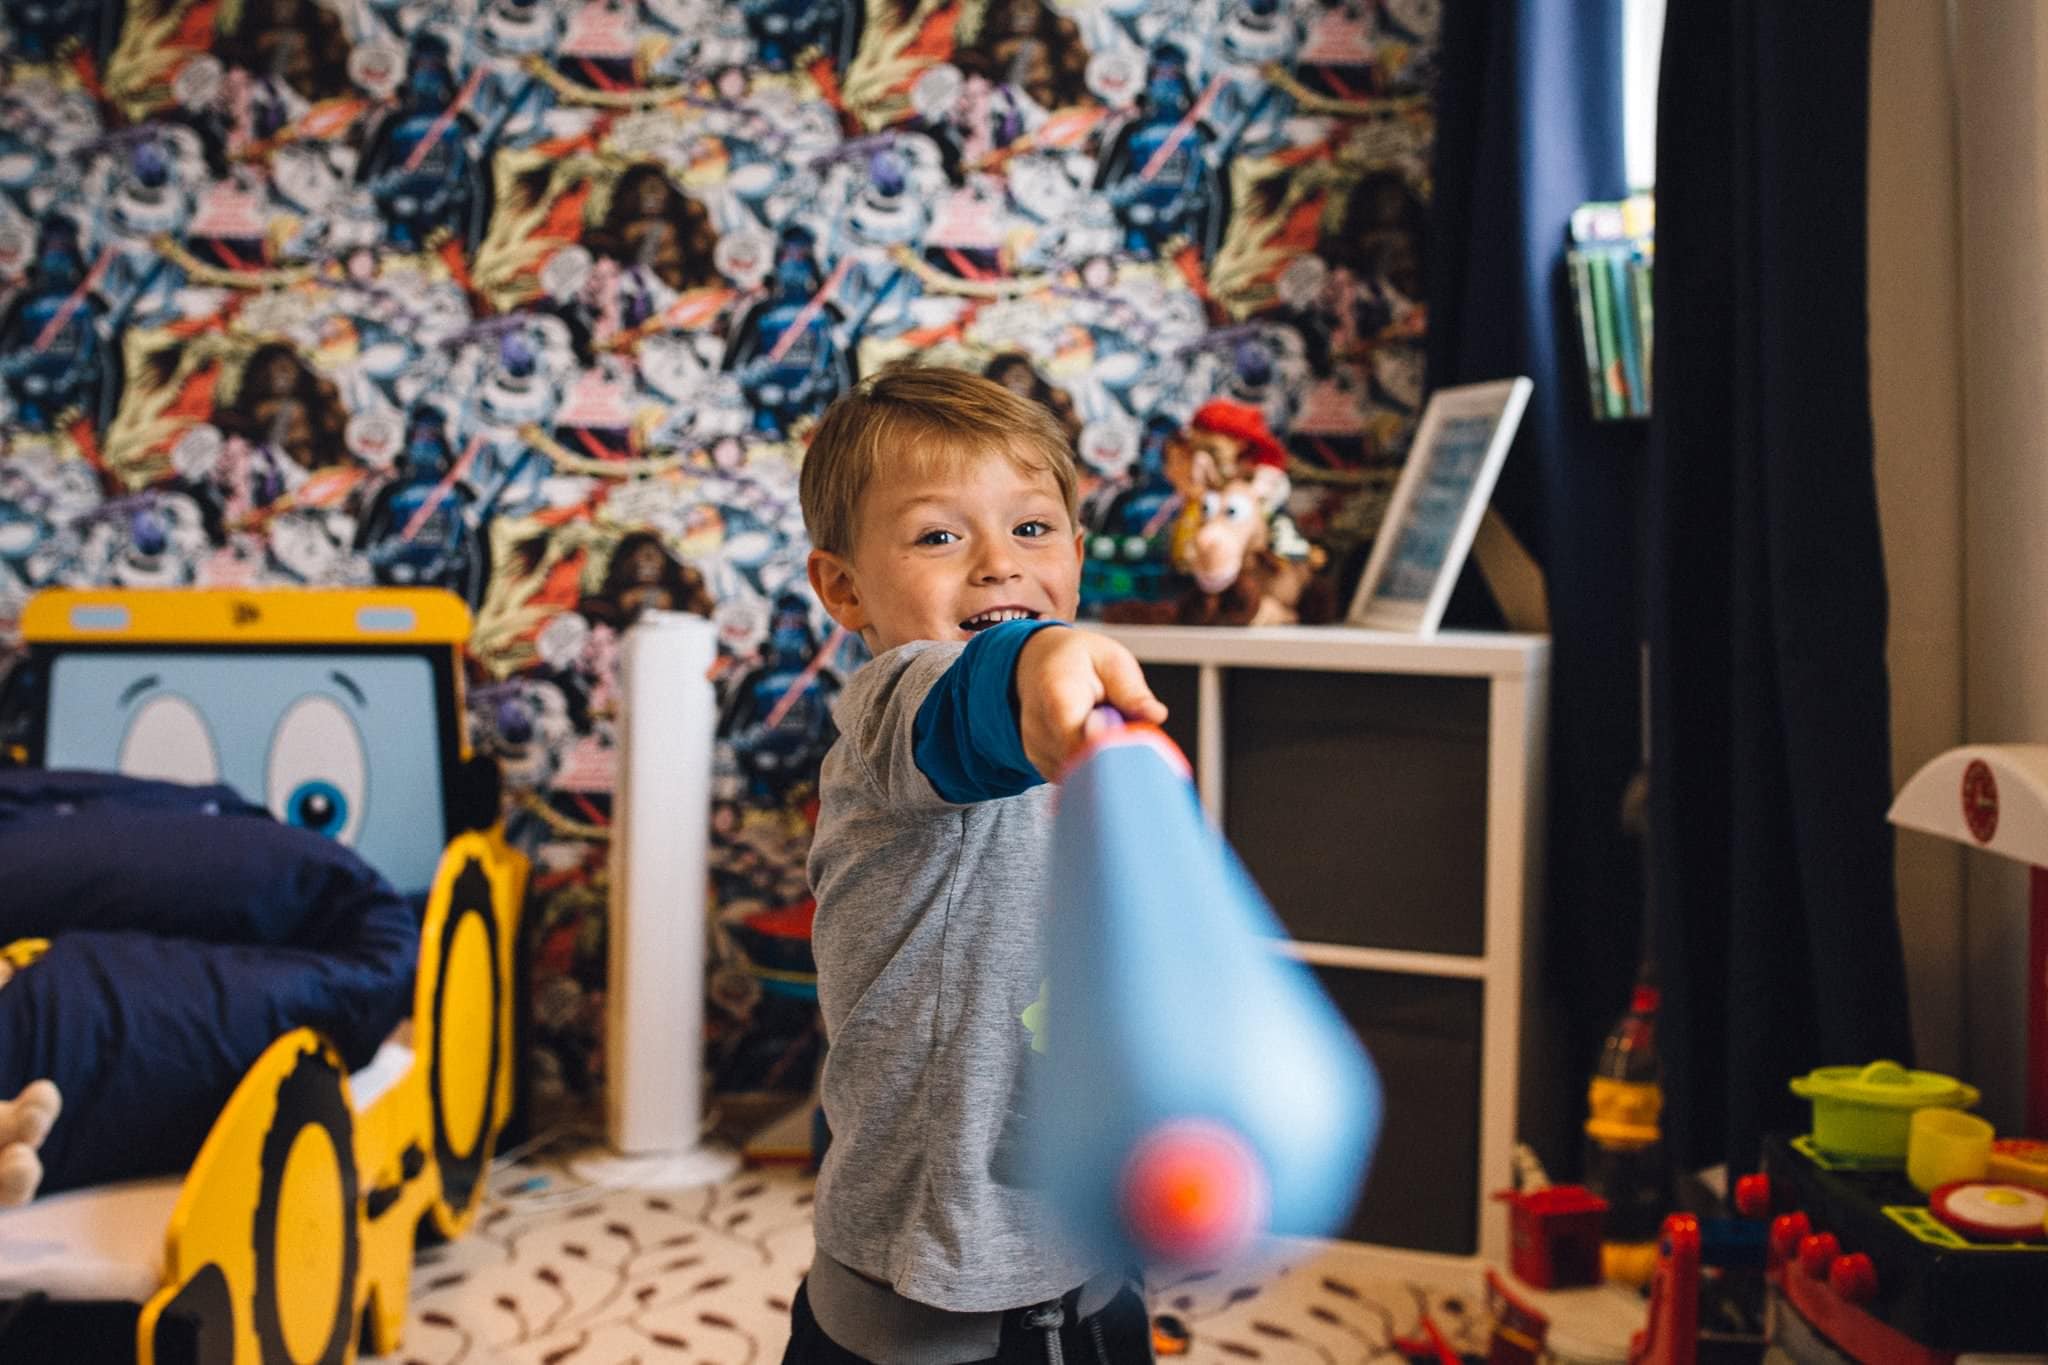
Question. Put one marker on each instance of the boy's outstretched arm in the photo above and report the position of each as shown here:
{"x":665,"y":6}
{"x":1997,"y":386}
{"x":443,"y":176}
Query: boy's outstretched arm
{"x":1063,"y":675}
{"x":1011,"y":709}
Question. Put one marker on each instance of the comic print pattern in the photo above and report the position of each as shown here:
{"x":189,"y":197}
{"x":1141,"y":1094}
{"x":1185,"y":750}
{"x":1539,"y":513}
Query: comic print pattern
{"x":537,"y":300}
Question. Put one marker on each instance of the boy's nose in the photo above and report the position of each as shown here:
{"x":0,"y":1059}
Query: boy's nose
{"x":996,"y":566}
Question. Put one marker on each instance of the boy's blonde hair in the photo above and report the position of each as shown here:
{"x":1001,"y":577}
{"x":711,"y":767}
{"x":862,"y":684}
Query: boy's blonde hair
{"x":932,"y":417}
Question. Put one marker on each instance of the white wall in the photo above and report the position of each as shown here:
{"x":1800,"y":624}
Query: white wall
{"x":1959,"y":346}
{"x":2001,"y":60}
{"x":1916,"y":411}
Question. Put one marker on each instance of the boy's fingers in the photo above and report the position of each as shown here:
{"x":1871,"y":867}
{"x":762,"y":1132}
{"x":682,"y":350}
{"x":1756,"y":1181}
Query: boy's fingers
{"x":1070,"y":679}
{"x":1124,"y":687}
{"x":1074,"y":703}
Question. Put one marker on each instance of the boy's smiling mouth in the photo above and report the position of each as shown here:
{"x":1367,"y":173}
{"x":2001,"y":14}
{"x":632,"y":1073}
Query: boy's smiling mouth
{"x":996,"y":616}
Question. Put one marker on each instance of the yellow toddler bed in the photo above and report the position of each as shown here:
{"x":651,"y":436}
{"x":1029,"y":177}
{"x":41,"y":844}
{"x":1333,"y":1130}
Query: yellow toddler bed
{"x":291,"y":1237}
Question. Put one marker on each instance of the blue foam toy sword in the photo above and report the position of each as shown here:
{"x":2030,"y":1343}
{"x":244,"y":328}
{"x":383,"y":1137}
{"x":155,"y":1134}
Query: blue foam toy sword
{"x":1202,"y":1090}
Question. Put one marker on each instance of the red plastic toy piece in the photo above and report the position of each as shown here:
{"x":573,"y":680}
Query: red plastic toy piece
{"x":1788,"y":1230}
{"x":1673,"y":1334}
{"x":1855,"y":1332}
{"x":1853,"y":1277}
{"x":1753,"y":1195}
{"x":1554,"y":1235}
{"x":1817,"y":1252}
{"x":1518,"y":1333}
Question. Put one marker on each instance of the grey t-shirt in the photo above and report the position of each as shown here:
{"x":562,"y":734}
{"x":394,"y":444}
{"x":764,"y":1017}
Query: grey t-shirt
{"x":927,"y":942}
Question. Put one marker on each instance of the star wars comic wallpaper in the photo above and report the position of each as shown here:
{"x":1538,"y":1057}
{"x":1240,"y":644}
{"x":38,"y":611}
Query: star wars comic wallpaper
{"x":539,"y":300}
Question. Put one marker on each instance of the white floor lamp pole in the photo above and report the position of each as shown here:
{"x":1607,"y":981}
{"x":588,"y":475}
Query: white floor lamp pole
{"x":661,"y":819}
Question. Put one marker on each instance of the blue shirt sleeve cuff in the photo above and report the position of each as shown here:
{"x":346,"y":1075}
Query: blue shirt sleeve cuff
{"x":966,"y":738}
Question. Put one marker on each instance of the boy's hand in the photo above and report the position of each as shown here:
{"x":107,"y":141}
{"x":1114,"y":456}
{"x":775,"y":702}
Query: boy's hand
{"x":1063,"y":674}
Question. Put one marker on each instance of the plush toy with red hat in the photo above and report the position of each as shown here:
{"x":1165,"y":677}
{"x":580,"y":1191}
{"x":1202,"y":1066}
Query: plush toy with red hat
{"x":1222,"y":441}
{"x":1247,"y":562}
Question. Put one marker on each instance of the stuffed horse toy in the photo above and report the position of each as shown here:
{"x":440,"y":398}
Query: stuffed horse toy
{"x":1249,"y":564}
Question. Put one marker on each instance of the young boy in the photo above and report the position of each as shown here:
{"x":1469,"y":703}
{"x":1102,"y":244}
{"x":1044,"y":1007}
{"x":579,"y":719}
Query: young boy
{"x":942,"y":509}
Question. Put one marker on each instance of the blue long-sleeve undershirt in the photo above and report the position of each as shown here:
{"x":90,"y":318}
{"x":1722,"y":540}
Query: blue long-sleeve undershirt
{"x":966,"y":738}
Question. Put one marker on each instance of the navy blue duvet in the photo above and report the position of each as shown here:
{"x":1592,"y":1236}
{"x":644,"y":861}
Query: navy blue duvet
{"x":188,"y":931}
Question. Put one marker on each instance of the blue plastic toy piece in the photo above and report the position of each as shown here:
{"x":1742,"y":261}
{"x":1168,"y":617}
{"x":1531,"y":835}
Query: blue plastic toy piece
{"x":1203,"y":1092}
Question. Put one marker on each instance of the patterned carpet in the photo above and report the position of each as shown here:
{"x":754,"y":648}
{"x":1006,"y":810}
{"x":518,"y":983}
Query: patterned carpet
{"x":561,"y":1271}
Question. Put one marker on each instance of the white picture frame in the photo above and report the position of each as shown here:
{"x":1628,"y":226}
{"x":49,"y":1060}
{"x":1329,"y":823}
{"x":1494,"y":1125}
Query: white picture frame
{"x":1437,"y":505}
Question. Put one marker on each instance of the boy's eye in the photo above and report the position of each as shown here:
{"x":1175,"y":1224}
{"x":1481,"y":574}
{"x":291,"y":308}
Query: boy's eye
{"x":937,"y":538}
{"x":1034,"y":528}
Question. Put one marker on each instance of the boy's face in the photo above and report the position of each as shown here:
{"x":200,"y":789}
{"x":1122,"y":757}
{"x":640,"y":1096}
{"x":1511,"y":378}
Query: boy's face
{"x":941,"y":555}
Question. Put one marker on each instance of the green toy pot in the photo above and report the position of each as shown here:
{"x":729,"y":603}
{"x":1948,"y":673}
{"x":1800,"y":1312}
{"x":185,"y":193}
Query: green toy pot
{"x":1867,"y":1112}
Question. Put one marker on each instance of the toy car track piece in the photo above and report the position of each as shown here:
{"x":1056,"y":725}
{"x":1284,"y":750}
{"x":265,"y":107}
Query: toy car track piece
{"x":1990,"y":1212}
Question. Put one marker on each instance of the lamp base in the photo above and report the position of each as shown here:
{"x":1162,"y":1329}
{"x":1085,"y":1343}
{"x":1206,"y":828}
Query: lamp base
{"x":657,"y":1170}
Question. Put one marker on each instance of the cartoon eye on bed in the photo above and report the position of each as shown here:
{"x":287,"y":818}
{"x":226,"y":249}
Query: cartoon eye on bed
{"x":315,"y":768}
{"x":314,"y":773}
{"x":346,"y":745}
{"x":168,"y":739}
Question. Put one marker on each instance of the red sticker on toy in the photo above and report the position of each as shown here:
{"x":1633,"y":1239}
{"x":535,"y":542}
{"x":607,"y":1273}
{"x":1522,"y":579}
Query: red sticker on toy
{"x":1980,"y":800}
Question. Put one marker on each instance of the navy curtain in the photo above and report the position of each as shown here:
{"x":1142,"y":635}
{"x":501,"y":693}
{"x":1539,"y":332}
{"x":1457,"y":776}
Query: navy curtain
{"x":1530,"y":127}
{"x":1774,"y":921}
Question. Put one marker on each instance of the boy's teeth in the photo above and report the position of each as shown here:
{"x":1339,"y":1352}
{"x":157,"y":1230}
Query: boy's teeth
{"x":996,"y":618}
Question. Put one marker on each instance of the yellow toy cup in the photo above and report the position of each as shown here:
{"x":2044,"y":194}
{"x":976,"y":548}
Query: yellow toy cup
{"x":1944,"y":1145}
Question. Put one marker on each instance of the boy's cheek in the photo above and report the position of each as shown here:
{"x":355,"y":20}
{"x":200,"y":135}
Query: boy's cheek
{"x":1070,"y":590}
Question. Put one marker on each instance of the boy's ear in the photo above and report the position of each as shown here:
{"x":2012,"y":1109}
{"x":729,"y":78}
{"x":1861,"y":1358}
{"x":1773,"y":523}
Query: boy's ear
{"x":832,"y":580}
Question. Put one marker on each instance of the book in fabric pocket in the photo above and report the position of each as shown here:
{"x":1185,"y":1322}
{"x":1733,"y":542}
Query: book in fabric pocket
{"x":1613,"y":386}
{"x":1640,"y":281}
{"x":1627,"y":344}
{"x":1583,"y":309}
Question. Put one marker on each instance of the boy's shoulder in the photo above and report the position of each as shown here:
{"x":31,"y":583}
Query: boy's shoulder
{"x":885,"y":692}
{"x":876,"y":712}
{"x":919,"y":663}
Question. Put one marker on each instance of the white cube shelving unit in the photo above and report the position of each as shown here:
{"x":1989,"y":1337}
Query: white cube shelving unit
{"x":1386,"y":791}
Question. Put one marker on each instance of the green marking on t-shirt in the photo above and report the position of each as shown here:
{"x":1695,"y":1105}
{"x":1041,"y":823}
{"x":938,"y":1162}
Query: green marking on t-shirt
{"x":1034,"y":1018}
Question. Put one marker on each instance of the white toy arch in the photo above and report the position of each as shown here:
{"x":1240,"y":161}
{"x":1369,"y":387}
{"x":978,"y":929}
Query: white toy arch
{"x":1995,"y":797}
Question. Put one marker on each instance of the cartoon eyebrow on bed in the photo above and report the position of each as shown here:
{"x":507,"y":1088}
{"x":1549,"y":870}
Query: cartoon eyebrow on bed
{"x":149,"y":680}
{"x":348,"y":685}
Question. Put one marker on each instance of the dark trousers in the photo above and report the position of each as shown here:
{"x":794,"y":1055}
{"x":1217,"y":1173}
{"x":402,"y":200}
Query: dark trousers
{"x":1120,"y":1333}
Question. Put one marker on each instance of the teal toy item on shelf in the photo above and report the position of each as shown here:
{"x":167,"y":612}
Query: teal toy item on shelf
{"x":1201,"y":1092}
